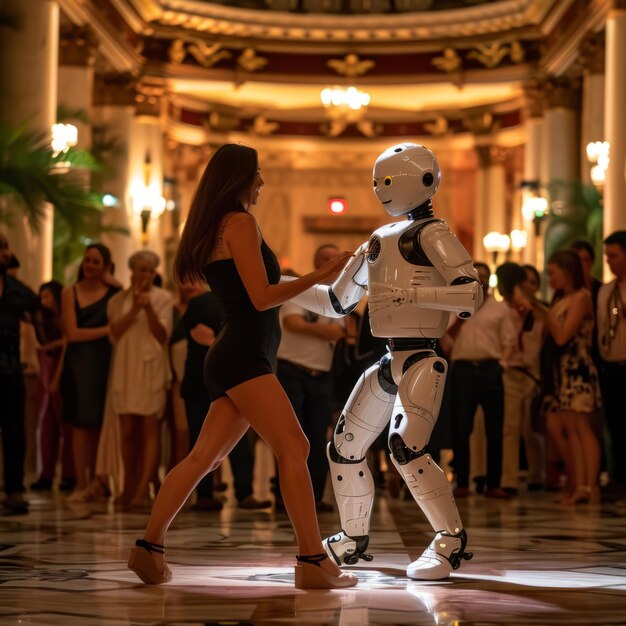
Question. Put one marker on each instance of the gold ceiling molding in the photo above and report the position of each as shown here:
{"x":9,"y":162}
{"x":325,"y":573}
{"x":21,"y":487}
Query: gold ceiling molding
{"x":440,"y":127}
{"x":213,"y":19}
{"x":206,"y":55}
{"x":490,"y":55}
{"x":351,"y":66}
{"x":249,"y":61}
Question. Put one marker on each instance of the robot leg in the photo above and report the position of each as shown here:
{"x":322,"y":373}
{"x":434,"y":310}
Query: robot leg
{"x":364,"y":417}
{"x":414,"y":415}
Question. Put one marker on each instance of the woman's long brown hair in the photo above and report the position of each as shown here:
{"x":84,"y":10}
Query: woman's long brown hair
{"x":229,"y":173}
{"x":569,"y":262}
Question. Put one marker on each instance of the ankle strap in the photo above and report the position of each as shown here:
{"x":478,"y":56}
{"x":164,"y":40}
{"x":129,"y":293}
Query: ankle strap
{"x":314,"y":559}
{"x":149,"y":546}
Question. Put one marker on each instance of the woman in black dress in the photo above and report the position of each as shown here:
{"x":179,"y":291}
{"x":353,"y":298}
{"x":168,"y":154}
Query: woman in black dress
{"x":86,"y":367}
{"x":222,"y":244}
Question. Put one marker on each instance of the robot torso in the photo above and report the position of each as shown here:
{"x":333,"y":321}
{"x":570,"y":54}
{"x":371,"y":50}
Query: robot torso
{"x":396,"y":259}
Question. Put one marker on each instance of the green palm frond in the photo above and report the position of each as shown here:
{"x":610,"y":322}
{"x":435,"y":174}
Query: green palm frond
{"x":30,"y":175}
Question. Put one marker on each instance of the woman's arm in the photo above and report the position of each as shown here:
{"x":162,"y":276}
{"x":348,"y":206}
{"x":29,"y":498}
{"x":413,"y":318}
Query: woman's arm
{"x":562,"y":332}
{"x":241,"y":235}
{"x":75,"y":334}
{"x":53,"y":345}
{"x":158,"y":330}
{"x":120,"y":325}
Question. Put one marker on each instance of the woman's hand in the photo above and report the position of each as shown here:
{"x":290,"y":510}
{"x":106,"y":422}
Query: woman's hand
{"x":202,"y":334}
{"x":332,"y":268}
{"x":141,"y":295}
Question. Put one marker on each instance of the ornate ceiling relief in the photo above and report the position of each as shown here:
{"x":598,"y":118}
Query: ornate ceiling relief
{"x":351,"y":66}
{"x":77,"y":45}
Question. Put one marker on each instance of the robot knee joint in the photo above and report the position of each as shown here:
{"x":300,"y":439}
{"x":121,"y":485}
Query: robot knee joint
{"x":401,"y":452}
{"x":335,"y":456}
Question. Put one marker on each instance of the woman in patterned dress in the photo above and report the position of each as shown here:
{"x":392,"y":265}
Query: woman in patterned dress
{"x":574,"y":394}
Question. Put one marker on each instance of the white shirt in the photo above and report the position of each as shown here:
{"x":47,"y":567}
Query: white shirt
{"x":486,"y":335}
{"x":611,"y":316}
{"x":528,"y":345}
{"x":303,"y":349}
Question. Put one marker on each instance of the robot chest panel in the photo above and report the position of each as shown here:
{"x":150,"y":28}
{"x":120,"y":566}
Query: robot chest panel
{"x":388,"y":263}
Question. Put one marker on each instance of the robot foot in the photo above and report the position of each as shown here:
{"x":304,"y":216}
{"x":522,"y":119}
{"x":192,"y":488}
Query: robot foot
{"x":443,"y":555}
{"x":346,"y":550}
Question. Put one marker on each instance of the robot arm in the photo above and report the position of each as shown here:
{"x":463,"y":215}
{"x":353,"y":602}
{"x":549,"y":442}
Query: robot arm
{"x":462,"y":299}
{"x":343,"y":295}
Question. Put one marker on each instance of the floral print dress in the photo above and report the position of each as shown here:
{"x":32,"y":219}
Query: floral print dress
{"x":576,"y":386}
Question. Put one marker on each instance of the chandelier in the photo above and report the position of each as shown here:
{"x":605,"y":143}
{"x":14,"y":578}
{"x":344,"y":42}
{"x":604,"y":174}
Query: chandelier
{"x":346,"y":103}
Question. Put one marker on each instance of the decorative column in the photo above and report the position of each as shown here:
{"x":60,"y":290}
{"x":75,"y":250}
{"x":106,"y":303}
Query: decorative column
{"x":490,"y":208}
{"x":591,"y":58}
{"x":28,"y":62}
{"x":615,"y":120}
{"x":114,"y":112}
{"x":146,"y":151}
{"x":561,"y":160}
{"x":491,"y":195}
{"x":533,"y":164}
{"x":77,"y":48}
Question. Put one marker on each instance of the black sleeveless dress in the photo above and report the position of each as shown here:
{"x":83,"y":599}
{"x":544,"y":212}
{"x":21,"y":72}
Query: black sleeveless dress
{"x":86,"y":368}
{"x":246,"y":346}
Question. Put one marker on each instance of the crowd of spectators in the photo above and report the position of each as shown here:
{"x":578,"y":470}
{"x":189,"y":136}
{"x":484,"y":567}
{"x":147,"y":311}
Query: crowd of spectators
{"x":120,"y":394}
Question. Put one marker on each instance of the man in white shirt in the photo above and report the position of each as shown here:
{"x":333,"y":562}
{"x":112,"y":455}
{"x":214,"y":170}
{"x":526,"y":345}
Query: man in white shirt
{"x":521,"y":380}
{"x":611,"y":322}
{"x":305,"y":358}
{"x":482,"y":346}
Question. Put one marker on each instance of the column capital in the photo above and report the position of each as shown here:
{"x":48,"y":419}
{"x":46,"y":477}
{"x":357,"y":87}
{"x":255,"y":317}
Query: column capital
{"x":562,"y":92}
{"x":77,"y":45}
{"x":114,"y":90}
{"x":149,"y":96}
{"x":490,"y":154}
{"x":480,"y":123}
{"x":534,"y":95}
{"x":591,"y":54}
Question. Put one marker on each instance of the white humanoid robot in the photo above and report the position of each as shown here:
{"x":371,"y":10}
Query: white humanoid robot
{"x":416,"y":273}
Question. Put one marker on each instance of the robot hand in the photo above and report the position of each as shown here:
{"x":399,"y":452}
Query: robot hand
{"x":384,"y":296}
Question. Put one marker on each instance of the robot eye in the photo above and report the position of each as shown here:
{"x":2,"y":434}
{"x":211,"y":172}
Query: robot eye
{"x":398,"y":150}
{"x":388,"y":181}
{"x":428,"y":179}
{"x":375,"y":183}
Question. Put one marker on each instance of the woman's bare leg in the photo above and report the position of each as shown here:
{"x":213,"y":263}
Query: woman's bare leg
{"x":266,"y":406}
{"x":222,"y":429}
{"x":556,"y":430}
{"x":150,"y":445}
{"x":130,"y":458}
{"x":590,"y":448}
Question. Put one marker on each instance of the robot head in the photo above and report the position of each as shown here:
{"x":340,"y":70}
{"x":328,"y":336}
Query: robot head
{"x":405,"y":176}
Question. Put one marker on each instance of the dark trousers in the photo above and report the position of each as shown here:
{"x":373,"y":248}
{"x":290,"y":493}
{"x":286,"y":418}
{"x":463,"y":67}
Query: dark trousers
{"x":613,"y":381}
{"x":12,"y":427}
{"x":312,"y":401}
{"x":241,"y":458}
{"x":475,"y":384}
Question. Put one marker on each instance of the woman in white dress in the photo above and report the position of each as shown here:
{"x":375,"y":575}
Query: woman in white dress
{"x":140,"y":319}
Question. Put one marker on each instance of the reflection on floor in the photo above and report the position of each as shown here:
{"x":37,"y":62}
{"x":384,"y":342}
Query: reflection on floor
{"x":535,"y":562}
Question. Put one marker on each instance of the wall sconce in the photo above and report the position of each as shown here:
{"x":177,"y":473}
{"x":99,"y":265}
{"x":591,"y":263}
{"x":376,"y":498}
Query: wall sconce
{"x":598,"y":157}
{"x":64,"y":137}
{"x":519,"y":240}
{"x":146,"y":201}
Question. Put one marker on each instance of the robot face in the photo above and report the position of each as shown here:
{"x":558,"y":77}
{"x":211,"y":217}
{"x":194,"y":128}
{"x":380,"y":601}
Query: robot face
{"x":405,"y":176}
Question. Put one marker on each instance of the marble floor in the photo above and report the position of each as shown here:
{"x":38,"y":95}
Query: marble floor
{"x":535,"y":562}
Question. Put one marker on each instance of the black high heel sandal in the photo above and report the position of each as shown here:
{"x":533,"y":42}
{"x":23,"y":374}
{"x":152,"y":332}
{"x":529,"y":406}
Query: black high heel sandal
{"x":141,"y":561}
{"x":310,"y":575}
